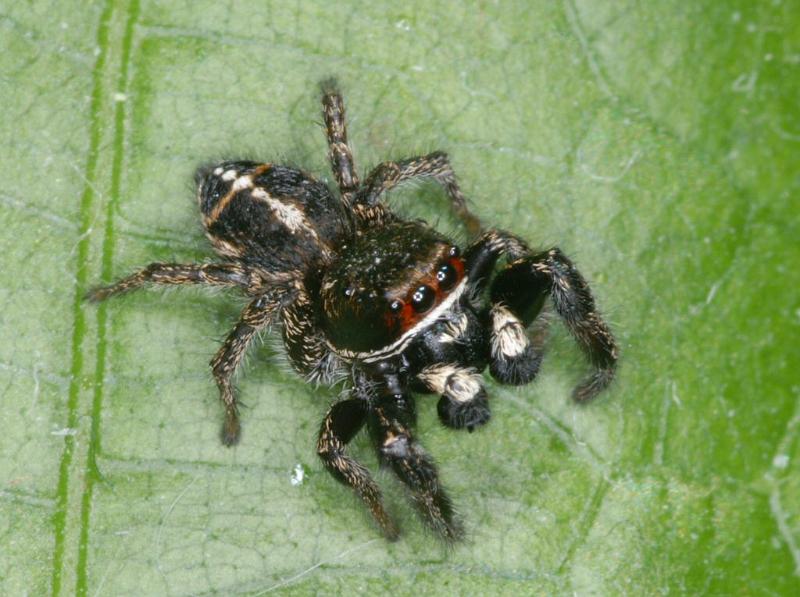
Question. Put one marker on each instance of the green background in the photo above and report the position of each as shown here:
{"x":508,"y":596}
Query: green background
{"x":657,"y":143}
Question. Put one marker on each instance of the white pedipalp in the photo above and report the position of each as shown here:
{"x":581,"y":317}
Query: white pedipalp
{"x":509,"y":339}
{"x":458,"y":383}
{"x":455,"y":329}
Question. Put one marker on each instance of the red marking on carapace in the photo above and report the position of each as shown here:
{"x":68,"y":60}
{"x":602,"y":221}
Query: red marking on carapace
{"x":406,"y":318}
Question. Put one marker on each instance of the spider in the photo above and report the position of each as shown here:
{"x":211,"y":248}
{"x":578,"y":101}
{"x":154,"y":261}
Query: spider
{"x":387,"y":303}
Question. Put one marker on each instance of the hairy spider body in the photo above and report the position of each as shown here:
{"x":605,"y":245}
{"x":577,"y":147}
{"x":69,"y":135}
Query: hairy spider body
{"x":388,"y":303}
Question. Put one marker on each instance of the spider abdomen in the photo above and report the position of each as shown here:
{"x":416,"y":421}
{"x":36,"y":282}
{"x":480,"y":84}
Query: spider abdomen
{"x":276,"y":217}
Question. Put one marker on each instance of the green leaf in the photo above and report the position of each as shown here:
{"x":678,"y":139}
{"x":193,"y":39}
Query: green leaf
{"x":656,"y":143}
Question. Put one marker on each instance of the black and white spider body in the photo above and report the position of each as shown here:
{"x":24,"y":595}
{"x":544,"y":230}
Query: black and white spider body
{"x":389,"y":303}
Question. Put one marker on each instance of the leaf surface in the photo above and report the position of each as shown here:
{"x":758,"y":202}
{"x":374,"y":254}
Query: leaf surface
{"x":656,"y":143}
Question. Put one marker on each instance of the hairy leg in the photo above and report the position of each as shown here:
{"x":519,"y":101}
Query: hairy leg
{"x":212,"y":274}
{"x":520,"y":290}
{"x":305,"y":347}
{"x":339,"y":152}
{"x":389,"y":422}
{"x":340,"y":425}
{"x":255,"y":317}
{"x":435,"y":166}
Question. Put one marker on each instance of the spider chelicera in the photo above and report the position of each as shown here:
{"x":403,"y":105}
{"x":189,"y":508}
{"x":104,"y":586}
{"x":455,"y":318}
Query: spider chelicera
{"x":387,"y":303}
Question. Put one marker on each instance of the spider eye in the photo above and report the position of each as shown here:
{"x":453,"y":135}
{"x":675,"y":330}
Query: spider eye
{"x":423,"y":298}
{"x":395,"y":307}
{"x":447,"y":276}
{"x":454,"y":251}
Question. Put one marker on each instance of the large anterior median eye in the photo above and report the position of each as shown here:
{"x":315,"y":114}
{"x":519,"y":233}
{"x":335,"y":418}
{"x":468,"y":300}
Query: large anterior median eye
{"x":423,"y":299}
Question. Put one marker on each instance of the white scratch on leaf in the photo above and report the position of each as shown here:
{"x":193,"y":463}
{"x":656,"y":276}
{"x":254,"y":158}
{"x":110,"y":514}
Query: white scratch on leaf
{"x":113,"y":561}
{"x":745,"y":83}
{"x":567,"y":436}
{"x":575,"y":25}
{"x":603,"y":178}
{"x":7,"y":201}
{"x":663,"y":422}
{"x":311,"y":569}
{"x":160,"y":529}
{"x":783,"y":527}
{"x":64,"y":432}
{"x":36,"y":386}
{"x":589,"y":513}
{"x":675,"y":398}
{"x":780,"y":462}
{"x":713,"y":291}
{"x":785,"y":135}
{"x":30,"y":500}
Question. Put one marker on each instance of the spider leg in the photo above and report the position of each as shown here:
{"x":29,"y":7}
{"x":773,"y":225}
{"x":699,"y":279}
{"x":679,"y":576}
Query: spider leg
{"x":212,"y":274}
{"x":389,"y":422}
{"x":436,"y":166}
{"x":339,"y":152}
{"x":518,"y":293}
{"x":256,"y":316}
{"x":463,"y":402}
{"x":305,"y":347}
{"x":551,"y":272}
{"x":513,"y":359}
{"x":340,"y":425}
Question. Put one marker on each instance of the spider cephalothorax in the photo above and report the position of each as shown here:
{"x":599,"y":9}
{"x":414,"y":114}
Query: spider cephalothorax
{"x":385,"y":284}
{"x":389,"y":304}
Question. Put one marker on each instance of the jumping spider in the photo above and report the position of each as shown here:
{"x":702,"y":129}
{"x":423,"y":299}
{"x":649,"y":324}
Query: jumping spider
{"x":388,"y":303}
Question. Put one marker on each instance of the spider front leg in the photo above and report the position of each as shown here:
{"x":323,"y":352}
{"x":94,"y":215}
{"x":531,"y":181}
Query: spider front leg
{"x":255,"y":317}
{"x":518,"y":294}
{"x":435,"y":166}
{"x":340,"y":425}
{"x":389,"y":421}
